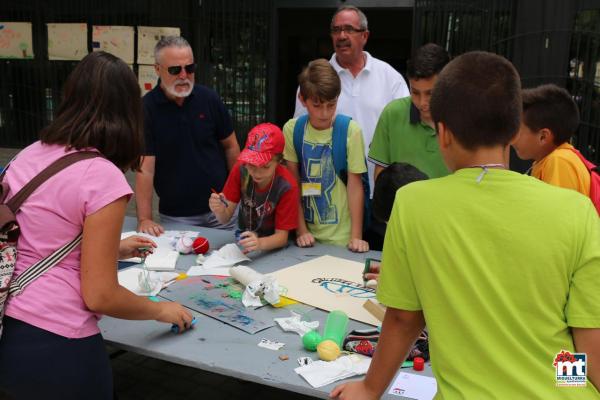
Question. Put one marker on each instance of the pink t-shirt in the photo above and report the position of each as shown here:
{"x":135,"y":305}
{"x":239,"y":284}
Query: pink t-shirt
{"x":51,"y":217}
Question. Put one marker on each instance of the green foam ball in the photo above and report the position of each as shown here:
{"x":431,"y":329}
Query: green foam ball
{"x":311,"y":340}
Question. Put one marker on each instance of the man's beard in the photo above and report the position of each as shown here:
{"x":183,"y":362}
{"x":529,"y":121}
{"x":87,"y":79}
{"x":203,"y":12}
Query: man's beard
{"x":171,"y":88}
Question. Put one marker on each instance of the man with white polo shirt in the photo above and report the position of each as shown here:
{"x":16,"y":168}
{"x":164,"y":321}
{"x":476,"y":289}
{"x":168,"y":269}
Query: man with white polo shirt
{"x":368,"y":84}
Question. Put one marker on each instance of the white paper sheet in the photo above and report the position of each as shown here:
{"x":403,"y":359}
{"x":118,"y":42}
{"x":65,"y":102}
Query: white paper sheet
{"x":321,"y":373}
{"x":162,"y":260}
{"x":128,"y":278}
{"x":414,"y":386}
{"x":226,"y":256}
{"x":199,"y":270}
{"x":270,"y":344}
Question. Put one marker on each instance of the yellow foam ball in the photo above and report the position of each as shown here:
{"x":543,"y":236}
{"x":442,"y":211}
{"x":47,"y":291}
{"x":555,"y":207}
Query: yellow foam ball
{"x":328,"y":350}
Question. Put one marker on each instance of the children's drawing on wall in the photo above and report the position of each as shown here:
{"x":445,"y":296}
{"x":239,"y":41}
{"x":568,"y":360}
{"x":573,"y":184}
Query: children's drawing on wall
{"x":147,"y":78}
{"x":148,"y":36}
{"x":15,"y":40}
{"x":117,"y":40}
{"x":67,"y":41}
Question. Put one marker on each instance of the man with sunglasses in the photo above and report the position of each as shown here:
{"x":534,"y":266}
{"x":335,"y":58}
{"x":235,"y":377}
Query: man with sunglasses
{"x":368,"y":84}
{"x":190,"y":143}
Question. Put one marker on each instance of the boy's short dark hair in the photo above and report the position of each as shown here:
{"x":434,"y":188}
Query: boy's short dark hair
{"x":388,"y":182}
{"x":319,"y":81}
{"x":552,"y":107}
{"x":478,"y":98}
{"x":427,"y":61}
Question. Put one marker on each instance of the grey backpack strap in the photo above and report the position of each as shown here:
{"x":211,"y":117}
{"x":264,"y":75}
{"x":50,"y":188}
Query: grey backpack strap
{"x":37,"y":269}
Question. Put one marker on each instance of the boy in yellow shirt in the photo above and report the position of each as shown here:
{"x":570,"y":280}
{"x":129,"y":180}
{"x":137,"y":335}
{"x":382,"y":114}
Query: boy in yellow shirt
{"x":550,"y":117}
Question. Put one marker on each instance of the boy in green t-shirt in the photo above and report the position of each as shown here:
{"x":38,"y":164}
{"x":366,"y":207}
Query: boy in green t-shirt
{"x":405,"y":131}
{"x":504,"y":275}
{"x":328,"y":211}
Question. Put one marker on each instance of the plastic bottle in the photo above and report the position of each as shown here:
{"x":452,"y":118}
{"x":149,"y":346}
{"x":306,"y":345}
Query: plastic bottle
{"x":335,"y":327}
{"x":335,"y":330}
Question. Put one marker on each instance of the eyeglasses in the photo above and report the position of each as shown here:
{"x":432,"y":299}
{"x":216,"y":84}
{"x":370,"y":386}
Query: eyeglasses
{"x":349,"y":29}
{"x":176,"y":69}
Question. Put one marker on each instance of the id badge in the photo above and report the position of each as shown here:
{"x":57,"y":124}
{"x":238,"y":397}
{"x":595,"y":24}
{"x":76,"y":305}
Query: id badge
{"x":311,"y":189}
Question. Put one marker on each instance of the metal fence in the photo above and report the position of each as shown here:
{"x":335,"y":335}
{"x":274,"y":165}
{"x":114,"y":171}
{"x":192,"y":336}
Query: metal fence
{"x":229,"y":39}
{"x":549,"y":42}
{"x":461,"y":26}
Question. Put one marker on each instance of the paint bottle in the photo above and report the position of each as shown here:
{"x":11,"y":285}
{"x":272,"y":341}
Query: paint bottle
{"x":335,"y":327}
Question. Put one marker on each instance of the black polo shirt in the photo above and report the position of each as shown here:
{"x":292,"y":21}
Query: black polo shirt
{"x":186,"y":143}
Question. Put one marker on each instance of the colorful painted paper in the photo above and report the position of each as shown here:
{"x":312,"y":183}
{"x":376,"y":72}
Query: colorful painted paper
{"x":67,"y":41}
{"x":15,"y":40}
{"x":219,"y":298}
{"x":147,"y":78}
{"x":329,"y":283}
{"x":148,"y":36}
{"x":117,"y":40}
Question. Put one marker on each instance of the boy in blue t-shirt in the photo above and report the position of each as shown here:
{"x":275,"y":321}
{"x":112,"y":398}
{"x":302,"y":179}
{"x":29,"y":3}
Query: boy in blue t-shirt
{"x":330,"y":211}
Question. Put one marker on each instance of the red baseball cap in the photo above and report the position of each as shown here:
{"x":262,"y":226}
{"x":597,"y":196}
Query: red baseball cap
{"x":264,"y":141}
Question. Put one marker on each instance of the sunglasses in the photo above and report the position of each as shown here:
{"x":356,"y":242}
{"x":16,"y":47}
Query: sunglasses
{"x":176,"y":69}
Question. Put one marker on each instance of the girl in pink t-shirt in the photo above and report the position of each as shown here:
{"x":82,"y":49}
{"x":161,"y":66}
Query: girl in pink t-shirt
{"x":51,"y":346}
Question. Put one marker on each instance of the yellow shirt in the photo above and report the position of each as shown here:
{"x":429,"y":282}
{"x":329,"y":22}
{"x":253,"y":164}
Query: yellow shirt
{"x":563,"y":168}
{"x":327,"y":215}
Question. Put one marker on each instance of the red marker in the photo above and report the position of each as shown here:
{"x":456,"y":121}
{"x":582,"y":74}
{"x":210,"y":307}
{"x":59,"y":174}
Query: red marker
{"x":220,"y":197}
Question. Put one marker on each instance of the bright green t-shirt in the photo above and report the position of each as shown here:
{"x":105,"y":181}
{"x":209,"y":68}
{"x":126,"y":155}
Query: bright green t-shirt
{"x":501,"y":269}
{"x":327,"y":216}
{"x":401,"y":136}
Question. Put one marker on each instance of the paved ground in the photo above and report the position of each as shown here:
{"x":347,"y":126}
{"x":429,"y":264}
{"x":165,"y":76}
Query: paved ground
{"x":142,"y":378}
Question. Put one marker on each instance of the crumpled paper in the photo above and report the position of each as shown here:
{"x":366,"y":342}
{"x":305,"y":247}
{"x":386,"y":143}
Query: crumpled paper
{"x":321,"y":373}
{"x":257,"y":285}
{"x":295,"y":324}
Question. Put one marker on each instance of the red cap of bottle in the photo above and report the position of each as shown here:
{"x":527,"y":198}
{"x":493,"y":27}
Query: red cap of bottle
{"x":418,"y":364}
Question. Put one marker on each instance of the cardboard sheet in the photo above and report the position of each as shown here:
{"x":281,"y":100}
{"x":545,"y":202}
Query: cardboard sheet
{"x":329,"y":283}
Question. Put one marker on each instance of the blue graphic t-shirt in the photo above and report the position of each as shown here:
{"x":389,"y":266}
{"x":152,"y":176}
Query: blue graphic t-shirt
{"x":327,"y":215}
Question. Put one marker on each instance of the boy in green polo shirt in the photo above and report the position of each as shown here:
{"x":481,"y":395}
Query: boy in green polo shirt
{"x":504,"y":275}
{"x":404,"y":132}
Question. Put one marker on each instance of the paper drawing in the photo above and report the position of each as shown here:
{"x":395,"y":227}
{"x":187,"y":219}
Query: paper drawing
{"x":219,"y":298}
{"x":148,"y":36}
{"x":329,"y":283}
{"x":117,"y":40}
{"x":15,"y":40}
{"x":67,"y":41}
{"x":147,"y":78}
